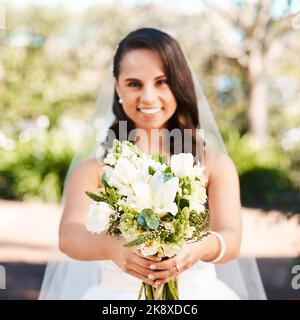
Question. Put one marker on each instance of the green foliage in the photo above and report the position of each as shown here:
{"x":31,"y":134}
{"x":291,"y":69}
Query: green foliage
{"x":160,"y":158}
{"x":182,"y":224}
{"x":36,"y":169}
{"x":265,"y":174}
{"x":145,"y":237}
{"x":149,"y":219}
{"x":183,"y":203}
{"x":201,"y":221}
{"x":47,"y":78}
{"x":96,"y":197}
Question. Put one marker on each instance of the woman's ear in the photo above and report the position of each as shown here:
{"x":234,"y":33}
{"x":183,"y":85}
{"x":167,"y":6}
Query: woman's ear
{"x":117,"y":88}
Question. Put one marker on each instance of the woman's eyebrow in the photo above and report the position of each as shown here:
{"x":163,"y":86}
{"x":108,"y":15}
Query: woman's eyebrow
{"x":133,"y":79}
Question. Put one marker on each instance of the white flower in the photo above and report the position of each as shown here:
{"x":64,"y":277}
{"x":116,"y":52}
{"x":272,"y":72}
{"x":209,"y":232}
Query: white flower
{"x":169,"y":226}
{"x":198,"y":192}
{"x":157,"y":194}
{"x":150,"y":248}
{"x":198,"y":172}
{"x":182,"y":164}
{"x":156,"y":165}
{"x":110,"y":159}
{"x":190,"y":232}
{"x":98,"y":217}
{"x":198,"y":207}
{"x":122,"y":175}
{"x":171,"y":249}
{"x":127,"y":152}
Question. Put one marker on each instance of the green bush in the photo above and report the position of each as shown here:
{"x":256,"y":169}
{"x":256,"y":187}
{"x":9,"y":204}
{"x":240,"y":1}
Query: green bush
{"x":36,"y":169}
{"x":265,"y":173}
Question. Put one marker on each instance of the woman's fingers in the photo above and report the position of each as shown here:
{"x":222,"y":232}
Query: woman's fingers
{"x":145,"y":272}
{"x":139,"y":276}
{"x":141,"y":261}
{"x":152,"y":257}
{"x":168,"y":264}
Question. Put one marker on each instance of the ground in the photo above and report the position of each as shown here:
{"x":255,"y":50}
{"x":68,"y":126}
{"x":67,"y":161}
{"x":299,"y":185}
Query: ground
{"x":28,"y":231}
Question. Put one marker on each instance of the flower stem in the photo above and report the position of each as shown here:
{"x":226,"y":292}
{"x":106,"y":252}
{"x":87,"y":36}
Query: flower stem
{"x":141,"y":290}
{"x":148,"y":292}
{"x":173,"y":289}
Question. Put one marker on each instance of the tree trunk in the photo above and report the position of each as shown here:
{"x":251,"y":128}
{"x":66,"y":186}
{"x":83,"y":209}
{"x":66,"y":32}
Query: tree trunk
{"x":258,"y":105}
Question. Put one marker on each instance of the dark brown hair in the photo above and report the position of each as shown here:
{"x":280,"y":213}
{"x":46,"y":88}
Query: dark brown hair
{"x":178,"y":74}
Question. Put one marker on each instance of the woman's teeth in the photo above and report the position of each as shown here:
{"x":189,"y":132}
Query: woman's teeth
{"x":150,"y":111}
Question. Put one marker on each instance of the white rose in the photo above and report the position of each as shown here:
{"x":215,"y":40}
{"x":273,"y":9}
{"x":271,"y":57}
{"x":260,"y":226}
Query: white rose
{"x":198,"y":171}
{"x":182,"y":164}
{"x":98,"y":217}
{"x":150,"y":248}
{"x":123,"y":174}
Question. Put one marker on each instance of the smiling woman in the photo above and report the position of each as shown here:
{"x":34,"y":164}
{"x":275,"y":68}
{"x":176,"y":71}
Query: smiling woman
{"x":154,"y":86}
{"x":145,"y":96}
{"x":154,"y":90}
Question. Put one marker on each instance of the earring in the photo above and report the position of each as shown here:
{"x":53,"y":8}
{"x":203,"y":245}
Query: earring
{"x":120,"y":100}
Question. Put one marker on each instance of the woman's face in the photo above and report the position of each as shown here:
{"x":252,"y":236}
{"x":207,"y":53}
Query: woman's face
{"x":147,"y":98}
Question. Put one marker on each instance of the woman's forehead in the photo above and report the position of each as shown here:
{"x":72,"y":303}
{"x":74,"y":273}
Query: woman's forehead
{"x":141,"y":63}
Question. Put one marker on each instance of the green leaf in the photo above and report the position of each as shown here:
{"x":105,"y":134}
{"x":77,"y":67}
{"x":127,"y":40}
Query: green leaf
{"x":184,"y":203}
{"x":163,"y":159}
{"x":95,"y":196}
{"x":151,"y":170}
{"x":168,"y":169}
{"x":104,"y":180}
{"x":141,"y":220}
{"x":167,"y":176}
{"x":142,"y":239}
{"x":153,"y":222}
{"x":148,"y":218}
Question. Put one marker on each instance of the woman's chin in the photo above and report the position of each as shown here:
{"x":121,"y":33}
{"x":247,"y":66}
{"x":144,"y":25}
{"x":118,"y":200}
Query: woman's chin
{"x":150,"y":125}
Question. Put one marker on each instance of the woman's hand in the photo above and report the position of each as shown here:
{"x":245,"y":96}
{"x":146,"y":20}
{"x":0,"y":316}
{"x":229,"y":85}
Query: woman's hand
{"x":166,"y":270}
{"x":132,"y":261}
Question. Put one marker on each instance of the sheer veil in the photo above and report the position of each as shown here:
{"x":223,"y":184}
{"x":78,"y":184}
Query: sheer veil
{"x":66,"y":278}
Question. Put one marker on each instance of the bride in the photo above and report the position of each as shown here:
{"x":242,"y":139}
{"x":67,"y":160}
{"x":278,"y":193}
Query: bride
{"x":154,"y":90}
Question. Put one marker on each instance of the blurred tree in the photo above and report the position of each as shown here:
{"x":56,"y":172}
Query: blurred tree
{"x":249,"y":34}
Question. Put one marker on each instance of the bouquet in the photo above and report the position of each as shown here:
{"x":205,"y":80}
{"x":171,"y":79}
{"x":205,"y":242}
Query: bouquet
{"x":156,"y":206}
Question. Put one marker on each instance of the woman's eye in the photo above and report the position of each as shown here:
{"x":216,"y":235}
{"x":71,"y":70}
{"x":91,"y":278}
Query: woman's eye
{"x":161,"y":82}
{"x":133,"y":84}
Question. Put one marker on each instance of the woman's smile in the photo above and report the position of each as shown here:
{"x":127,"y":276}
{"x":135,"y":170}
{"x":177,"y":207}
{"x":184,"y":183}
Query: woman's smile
{"x":150,"y":112}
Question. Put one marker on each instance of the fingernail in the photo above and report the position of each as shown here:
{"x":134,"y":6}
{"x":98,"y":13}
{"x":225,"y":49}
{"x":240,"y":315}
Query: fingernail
{"x":152,"y":266}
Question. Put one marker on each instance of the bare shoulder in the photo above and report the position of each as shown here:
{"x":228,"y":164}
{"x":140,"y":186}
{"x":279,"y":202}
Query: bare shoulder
{"x":218,"y":164}
{"x":89,"y":169}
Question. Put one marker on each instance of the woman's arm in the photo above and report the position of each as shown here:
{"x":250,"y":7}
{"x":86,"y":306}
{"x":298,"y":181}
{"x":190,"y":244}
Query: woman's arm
{"x":74,"y":239}
{"x":225,"y":207}
{"x":76,"y":242}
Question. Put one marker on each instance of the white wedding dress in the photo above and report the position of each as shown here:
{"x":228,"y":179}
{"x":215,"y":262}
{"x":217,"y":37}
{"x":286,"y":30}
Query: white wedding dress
{"x":199,"y":282}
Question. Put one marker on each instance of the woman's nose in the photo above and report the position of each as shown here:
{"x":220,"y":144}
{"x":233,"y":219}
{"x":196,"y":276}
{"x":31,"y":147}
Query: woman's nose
{"x":148,"y":95}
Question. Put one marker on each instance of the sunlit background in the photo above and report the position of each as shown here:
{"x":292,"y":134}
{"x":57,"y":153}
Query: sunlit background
{"x":54,"y":55}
